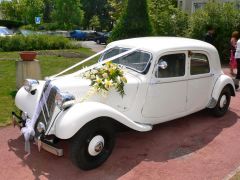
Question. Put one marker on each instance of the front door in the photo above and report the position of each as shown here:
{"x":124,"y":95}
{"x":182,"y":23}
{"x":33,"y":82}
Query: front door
{"x":167,"y":92}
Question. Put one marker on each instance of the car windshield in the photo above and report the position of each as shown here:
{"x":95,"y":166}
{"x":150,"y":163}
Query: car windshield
{"x":4,"y":31}
{"x":137,"y":60}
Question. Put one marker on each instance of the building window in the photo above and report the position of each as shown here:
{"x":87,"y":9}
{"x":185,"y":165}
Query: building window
{"x":238,"y":5}
{"x":180,"y":4}
{"x":197,"y":5}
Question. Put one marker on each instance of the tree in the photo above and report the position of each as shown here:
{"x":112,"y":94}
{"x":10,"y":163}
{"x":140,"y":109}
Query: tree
{"x":134,"y":21}
{"x":115,"y":10}
{"x":47,"y":10}
{"x":95,"y":23}
{"x":167,"y":20}
{"x":11,"y":10}
{"x":21,"y":10}
{"x":30,"y":9}
{"x":99,"y":8}
{"x":68,"y":14}
{"x":223,"y":17}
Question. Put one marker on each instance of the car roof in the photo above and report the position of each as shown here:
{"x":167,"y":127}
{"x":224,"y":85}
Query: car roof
{"x":156,"y":44}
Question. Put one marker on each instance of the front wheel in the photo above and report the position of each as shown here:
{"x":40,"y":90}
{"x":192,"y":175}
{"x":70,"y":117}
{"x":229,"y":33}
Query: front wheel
{"x":223,"y":103}
{"x":93,"y":144}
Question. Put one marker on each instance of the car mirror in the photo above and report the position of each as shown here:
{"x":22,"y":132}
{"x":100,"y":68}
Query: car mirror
{"x":162,"y":64}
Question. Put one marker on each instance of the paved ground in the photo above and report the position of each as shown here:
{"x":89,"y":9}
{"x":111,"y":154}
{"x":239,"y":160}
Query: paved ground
{"x":194,"y":147}
{"x":92,"y":45}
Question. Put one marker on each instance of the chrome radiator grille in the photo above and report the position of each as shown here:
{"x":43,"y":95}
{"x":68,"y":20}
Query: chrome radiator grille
{"x":47,"y":111}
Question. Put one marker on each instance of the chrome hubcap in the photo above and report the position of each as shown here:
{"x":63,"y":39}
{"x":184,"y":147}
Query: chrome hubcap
{"x":99,"y":147}
{"x":223,"y":101}
{"x":96,"y":145}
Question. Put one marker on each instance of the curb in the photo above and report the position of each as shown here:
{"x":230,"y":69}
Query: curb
{"x":231,"y":174}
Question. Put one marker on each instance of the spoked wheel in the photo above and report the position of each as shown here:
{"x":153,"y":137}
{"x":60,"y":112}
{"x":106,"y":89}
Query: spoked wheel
{"x":92,"y":145}
{"x":223,"y":103}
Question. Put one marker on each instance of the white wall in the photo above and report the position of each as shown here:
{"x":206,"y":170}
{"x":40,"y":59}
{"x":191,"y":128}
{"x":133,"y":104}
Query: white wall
{"x":190,"y":6}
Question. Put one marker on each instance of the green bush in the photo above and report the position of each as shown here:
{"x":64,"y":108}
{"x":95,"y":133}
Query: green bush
{"x":46,"y":26}
{"x":10,"y":24}
{"x":223,"y":17}
{"x":34,"y":42}
{"x":167,"y":20}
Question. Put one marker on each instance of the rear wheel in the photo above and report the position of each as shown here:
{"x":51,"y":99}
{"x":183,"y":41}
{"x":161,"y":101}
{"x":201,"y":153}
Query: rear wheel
{"x":93,"y":144}
{"x":223,"y":103}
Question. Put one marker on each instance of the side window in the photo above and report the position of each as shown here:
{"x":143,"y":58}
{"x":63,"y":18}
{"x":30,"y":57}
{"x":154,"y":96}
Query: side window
{"x":172,"y":65}
{"x":199,"y":64}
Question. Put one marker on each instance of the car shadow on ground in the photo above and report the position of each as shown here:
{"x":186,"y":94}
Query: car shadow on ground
{"x":176,"y":139}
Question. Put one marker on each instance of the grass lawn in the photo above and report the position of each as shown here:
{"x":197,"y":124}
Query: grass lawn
{"x":236,"y":176}
{"x":51,"y":63}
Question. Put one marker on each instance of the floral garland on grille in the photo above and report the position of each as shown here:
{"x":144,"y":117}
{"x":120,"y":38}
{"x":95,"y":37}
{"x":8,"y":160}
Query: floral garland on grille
{"x":109,"y":76}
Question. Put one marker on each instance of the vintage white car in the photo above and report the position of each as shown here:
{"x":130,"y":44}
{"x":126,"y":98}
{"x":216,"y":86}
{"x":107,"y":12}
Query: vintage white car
{"x":167,"y":78}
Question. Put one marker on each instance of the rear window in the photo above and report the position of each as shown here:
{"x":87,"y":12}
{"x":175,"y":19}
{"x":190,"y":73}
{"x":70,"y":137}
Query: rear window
{"x":199,"y":64}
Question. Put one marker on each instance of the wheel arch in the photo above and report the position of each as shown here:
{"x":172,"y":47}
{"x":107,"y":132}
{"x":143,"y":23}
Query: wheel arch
{"x":232,"y":89}
{"x":222,"y":82}
{"x":73,"y":119}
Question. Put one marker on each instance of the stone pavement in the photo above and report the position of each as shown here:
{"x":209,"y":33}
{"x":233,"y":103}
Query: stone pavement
{"x":198,"y":146}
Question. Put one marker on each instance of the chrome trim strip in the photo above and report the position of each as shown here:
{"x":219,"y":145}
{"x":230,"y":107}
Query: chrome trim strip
{"x":179,"y":80}
{"x":44,"y":116}
{"x":46,"y":105}
{"x":52,"y":123}
{"x":200,"y":77}
{"x":165,"y":82}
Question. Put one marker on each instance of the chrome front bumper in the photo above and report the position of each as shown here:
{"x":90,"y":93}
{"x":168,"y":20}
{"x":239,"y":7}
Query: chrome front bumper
{"x":40,"y":143}
{"x":50,"y":148}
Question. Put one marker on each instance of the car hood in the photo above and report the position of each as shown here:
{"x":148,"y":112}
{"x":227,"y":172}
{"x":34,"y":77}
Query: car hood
{"x":79,"y":87}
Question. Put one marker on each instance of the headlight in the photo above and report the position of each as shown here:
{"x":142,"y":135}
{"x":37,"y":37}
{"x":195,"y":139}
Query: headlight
{"x":41,"y":127}
{"x":30,"y":85}
{"x":64,"y":100}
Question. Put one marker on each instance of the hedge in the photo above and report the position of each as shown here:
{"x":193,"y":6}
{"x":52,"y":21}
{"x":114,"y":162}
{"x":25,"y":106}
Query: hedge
{"x":34,"y":42}
{"x":10,"y":24}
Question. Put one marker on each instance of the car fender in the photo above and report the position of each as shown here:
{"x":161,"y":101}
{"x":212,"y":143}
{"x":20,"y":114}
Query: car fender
{"x":73,"y":119}
{"x":27,"y":102}
{"x":221,"y":82}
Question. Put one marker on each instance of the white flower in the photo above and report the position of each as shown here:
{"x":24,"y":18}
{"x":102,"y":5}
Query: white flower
{"x":94,"y":71}
{"x":95,"y":86}
{"x":103,"y":93}
{"x":108,"y":83}
{"x":98,"y":80}
{"x":118,"y":79}
{"x":93,"y":76}
{"x":105,"y":75}
{"x":87,"y":74}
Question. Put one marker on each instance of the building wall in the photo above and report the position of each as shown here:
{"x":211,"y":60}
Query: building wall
{"x":191,"y":6}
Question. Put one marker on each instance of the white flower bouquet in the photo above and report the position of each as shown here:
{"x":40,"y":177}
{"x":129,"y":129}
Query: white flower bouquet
{"x":109,"y":76}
